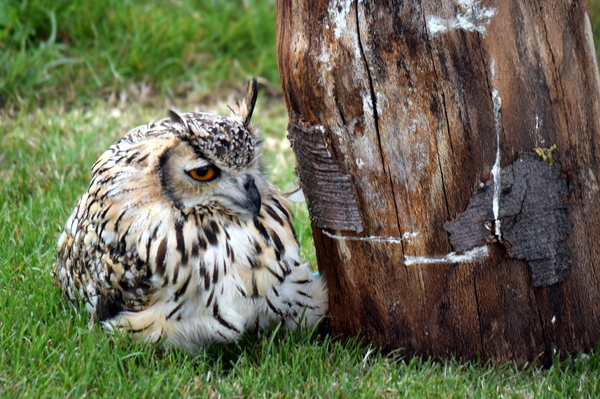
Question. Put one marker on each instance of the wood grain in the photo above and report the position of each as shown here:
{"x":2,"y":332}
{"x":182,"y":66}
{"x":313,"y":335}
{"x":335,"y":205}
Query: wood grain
{"x":416,"y":103}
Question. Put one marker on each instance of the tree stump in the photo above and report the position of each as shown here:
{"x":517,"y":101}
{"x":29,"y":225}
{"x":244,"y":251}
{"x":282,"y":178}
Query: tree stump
{"x":447,"y":152}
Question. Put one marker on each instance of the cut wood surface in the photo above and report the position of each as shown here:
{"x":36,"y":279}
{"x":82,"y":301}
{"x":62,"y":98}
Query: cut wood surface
{"x":404,"y":116}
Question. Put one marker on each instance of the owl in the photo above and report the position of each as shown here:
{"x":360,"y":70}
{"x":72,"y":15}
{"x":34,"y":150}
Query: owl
{"x":180,"y":239}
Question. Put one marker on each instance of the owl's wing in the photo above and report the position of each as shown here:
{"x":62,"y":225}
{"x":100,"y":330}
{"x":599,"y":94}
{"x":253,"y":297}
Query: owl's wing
{"x":98,"y":263}
{"x":107,"y":253}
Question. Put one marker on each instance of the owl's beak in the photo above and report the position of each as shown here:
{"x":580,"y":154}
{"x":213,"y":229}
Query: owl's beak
{"x":254,"y":201}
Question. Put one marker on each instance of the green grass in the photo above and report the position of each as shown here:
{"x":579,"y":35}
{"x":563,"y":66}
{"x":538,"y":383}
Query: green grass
{"x":90,"y":70}
{"x":74,"y":51}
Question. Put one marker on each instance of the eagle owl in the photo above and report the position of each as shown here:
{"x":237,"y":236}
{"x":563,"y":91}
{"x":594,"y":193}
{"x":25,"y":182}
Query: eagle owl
{"x":180,"y":237}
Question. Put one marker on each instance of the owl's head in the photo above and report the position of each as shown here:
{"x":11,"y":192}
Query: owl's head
{"x":215,"y":161}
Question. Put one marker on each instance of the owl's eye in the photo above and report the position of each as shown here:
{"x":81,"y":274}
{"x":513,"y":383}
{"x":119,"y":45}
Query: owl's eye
{"x":205,"y":173}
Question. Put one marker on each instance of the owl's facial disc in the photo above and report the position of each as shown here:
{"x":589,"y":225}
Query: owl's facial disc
{"x":191,"y":180}
{"x":237,"y":194}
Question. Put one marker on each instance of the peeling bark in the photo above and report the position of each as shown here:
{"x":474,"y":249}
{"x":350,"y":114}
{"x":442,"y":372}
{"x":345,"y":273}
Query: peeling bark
{"x":532,"y":220}
{"x":418,"y":103}
{"x":331,"y":200}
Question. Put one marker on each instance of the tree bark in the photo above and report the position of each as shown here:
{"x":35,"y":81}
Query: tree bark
{"x":441,"y":231}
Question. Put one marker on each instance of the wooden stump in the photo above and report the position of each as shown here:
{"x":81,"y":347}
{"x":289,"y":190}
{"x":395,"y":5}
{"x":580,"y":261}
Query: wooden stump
{"x":440,"y":229}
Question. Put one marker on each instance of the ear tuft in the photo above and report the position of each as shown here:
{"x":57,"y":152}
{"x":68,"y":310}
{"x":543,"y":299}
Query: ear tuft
{"x":247,"y":106}
{"x":177,"y":117}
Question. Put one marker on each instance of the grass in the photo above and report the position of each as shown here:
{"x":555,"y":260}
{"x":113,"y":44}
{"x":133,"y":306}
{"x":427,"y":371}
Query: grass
{"x":175,"y":47}
{"x":73,"y":79}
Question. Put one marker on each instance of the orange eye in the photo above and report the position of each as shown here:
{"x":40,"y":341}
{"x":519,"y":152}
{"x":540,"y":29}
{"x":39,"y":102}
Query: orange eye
{"x":205,"y":173}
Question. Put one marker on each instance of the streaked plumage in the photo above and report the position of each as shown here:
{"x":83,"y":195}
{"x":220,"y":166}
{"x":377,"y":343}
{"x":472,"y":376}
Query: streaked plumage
{"x":152,"y":249}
